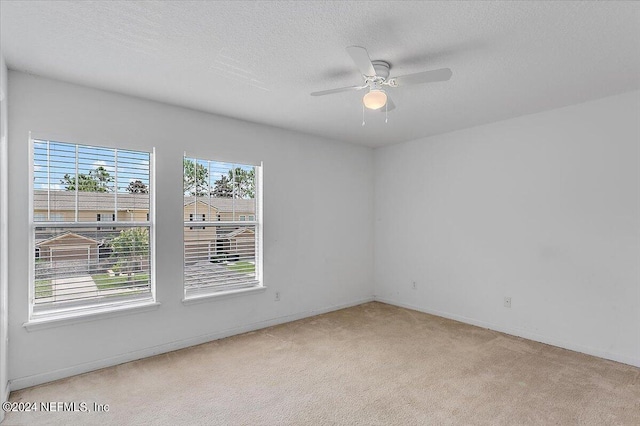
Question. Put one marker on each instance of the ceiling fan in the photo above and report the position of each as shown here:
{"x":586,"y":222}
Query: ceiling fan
{"x":376,"y":78}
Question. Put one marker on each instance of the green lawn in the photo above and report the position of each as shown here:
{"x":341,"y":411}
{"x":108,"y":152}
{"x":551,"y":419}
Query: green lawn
{"x":105,"y":281}
{"x":243,"y":267}
{"x":43,"y":288}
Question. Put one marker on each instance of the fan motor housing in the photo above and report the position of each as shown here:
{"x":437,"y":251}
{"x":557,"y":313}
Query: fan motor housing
{"x":382,"y":68}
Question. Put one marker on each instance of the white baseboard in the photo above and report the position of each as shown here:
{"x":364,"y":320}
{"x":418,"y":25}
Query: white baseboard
{"x":514,"y":331}
{"x":37,"y":379}
{"x":6,"y":390}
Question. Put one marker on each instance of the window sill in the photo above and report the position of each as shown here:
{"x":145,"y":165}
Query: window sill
{"x":54,"y":319}
{"x":219,"y":295}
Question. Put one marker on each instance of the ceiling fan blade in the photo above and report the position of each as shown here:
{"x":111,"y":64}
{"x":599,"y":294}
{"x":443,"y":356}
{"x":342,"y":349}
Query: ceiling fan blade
{"x":389,"y":105}
{"x":443,"y":74}
{"x":362,"y":60}
{"x":342,"y":89}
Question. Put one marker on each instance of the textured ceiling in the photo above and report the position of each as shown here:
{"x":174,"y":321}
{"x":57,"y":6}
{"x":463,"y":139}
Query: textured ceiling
{"x":259,"y":61}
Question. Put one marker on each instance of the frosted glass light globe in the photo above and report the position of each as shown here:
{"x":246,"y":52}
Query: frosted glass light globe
{"x":375,"y":99}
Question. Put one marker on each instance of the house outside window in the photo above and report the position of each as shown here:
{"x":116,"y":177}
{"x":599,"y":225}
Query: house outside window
{"x":81,"y":267}
{"x":224,"y":254}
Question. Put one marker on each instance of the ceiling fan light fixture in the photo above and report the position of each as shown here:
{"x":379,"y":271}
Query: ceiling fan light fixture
{"x":375,"y":99}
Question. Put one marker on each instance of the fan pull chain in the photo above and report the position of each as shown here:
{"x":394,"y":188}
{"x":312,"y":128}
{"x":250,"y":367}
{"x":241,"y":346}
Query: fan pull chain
{"x":363,"y":114}
{"x":386,"y":111}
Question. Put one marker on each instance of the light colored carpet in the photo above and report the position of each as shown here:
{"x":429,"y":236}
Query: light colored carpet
{"x":373,"y":364}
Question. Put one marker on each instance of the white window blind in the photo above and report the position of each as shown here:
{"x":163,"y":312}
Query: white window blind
{"x":223,"y":252}
{"x":79,"y":262}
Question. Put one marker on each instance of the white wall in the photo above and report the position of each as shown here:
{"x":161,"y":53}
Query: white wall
{"x":4,"y":315}
{"x":318,"y":243}
{"x":544,"y":208}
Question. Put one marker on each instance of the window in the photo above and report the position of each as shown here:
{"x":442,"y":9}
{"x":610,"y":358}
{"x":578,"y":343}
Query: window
{"x":106,"y":217}
{"x":223,"y":254}
{"x":79,"y":265}
{"x":200,"y":217}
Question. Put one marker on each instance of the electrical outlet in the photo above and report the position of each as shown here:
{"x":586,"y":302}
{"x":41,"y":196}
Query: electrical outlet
{"x":415,"y":286}
{"x":277,"y":299}
{"x":507,"y":302}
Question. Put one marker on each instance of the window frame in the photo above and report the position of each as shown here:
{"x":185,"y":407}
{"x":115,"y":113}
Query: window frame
{"x":204,"y":294}
{"x":75,"y":310}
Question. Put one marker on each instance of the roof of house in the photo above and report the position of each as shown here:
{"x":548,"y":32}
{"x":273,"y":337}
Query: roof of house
{"x":63,"y":236}
{"x":96,"y":201}
{"x":225,"y":204}
{"x":66,"y":200}
{"x":238,"y":232}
